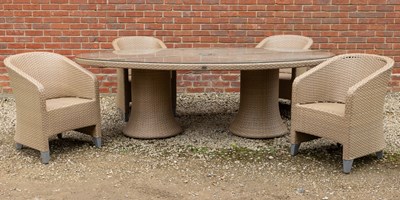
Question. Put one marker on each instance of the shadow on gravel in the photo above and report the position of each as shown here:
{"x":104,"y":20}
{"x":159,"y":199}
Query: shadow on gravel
{"x":330,"y":157}
{"x":70,"y":143}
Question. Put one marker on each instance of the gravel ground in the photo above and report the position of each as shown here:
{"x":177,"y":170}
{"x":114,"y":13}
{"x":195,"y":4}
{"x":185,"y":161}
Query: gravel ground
{"x":204,"y":162}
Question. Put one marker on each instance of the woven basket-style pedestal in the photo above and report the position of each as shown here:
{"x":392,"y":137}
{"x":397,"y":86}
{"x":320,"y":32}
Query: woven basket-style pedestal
{"x":151,"y":113}
{"x":258,"y":115}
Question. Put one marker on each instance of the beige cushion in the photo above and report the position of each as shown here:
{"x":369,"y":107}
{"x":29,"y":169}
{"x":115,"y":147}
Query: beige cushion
{"x":333,"y":108}
{"x":57,"y":103}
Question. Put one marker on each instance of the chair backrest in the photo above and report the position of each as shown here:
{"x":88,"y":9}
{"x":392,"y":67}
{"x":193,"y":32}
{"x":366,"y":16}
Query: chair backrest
{"x":286,"y":42}
{"x":49,"y":69}
{"x":141,"y":42}
{"x":344,"y":71}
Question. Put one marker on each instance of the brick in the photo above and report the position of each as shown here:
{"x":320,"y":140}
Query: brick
{"x":201,"y":84}
{"x":365,"y":46}
{"x":293,"y":8}
{"x":393,"y":2}
{"x":96,"y":71}
{"x":376,"y":40}
{"x":108,"y":70}
{"x":42,"y":39}
{"x":256,"y":8}
{"x":343,"y":27}
{"x":15,"y":46}
{"x":104,"y":90}
{"x":195,"y":90}
{"x":4,"y":78}
{"x":210,"y":77}
{"x":4,"y":84}
{"x":182,"y":8}
{"x":34,"y":33}
{"x":220,"y":84}
{"x":184,"y":83}
{"x":394,"y":83}
{"x":305,"y":2}
{"x":366,"y":15}
{"x":366,"y":34}
{"x":235,"y":84}
{"x":7,"y":90}
{"x":359,"y":2}
{"x":340,"y":2}
{"x":191,"y":77}
{"x":230,"y":77}
{"x":206,"y":39}
{"x":313,"y":8}
{"x":396,"y":71}
{"x":232,"y":90}
{"x":153,"y":26}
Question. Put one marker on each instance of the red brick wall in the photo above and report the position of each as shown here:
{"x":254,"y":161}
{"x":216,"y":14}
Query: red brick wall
{"x":70,"y":27}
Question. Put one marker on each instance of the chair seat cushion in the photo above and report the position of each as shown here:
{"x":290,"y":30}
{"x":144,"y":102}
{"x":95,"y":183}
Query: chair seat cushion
{"x":333,"y":108}
{"x":63,"y":102}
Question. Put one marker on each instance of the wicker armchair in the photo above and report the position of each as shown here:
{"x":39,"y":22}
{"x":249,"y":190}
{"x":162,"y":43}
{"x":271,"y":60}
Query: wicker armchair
{"x":287,"y":43}
{"x":124,"y":75}
{"x":342,"y":100}
{"x":53,"y":94}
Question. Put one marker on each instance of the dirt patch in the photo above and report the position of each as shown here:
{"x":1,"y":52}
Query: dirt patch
{"x":204,"y":162}
{"x":131,"y":176}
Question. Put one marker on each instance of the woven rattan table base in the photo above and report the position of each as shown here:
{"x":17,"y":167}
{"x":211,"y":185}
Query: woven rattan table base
{"x":258,"y":115}
{"x":151,"y":114}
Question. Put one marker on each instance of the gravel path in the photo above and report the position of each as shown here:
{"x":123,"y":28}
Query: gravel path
{"x":205,"y":161}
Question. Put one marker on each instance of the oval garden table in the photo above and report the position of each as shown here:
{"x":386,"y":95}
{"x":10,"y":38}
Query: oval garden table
{"x":151,"y":113}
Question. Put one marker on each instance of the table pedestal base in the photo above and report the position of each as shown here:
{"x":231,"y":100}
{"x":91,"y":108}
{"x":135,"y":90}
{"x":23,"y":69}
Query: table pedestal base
{"x":258,"y":115}
{"x":151,"y":113}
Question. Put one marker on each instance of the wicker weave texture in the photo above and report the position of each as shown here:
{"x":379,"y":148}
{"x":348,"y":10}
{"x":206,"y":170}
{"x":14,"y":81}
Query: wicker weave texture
{"x":342,"y":99}
{"x":258,"y":115}
{"x":140,"y":42}
{"x":151,"y":115}
{"x":202,"y":67}
{"x":287,"y":43}
{"x":127,"y":43}
{"x":53,"y":94}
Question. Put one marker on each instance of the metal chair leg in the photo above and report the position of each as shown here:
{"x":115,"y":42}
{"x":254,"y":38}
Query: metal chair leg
{"x":18,"y":146}
{"x":45,"y":157}
{"x":97,"y":141}
{"x":347,"y":164}
{"x":294,"y":149}
{"x":379,"y":154}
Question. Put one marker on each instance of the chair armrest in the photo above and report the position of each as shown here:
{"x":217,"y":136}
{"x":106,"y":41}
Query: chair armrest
{"x":28,"y":92}
{"x":81,"y":82}
{"x":312,"y":84}
{"x":367,"y":97}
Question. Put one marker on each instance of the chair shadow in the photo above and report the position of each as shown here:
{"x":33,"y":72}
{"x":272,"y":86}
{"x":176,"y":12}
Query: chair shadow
{"x":330,"y":156}
{"x":71,"y":142}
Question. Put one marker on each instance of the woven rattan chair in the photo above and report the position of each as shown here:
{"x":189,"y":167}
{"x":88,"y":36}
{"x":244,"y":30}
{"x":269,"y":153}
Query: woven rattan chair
{"x":342,"y":100}
{"x":287,"y":43}
{"x":53,"y":94}
{"x":124,"y":75}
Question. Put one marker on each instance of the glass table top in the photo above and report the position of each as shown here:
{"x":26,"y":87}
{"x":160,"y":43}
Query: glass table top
{"x":205,"y":55}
